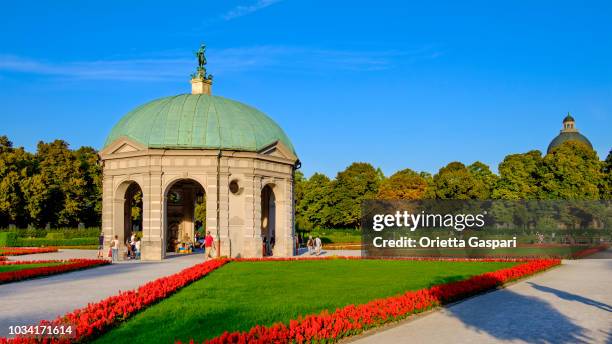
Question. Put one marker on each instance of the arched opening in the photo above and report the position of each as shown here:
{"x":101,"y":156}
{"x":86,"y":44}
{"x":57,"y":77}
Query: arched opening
{"x":127,"y":218}
{"x":132,"y":211}
{"x":185,"y":211}
{"x":268,"y":220}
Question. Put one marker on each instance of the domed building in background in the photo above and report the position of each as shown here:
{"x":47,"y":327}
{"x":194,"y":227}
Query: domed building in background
{"x":568,"y":133}
{"x":197,"y":151}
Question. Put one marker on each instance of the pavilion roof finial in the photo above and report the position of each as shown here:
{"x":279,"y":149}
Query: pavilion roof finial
{"x":201,"y":81}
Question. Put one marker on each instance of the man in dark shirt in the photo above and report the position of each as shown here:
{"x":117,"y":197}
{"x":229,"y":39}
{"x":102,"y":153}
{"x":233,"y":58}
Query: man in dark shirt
{"x":101,"y":245}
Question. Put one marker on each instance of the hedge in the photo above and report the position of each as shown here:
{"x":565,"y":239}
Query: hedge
{"x":35,"y":237}
{"x":7,"y":239}
{"x":58,"y":233}
{"x":37,"y":242}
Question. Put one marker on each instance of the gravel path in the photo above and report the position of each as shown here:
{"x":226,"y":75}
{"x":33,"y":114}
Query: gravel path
{"x":28,"y":302}
{"x":569,"y":304}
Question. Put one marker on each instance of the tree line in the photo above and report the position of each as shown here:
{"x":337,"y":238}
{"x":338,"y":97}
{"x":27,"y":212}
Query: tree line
{"x":55,"y":186}
{"x":60,"y":187}
{"x":572,"y":171}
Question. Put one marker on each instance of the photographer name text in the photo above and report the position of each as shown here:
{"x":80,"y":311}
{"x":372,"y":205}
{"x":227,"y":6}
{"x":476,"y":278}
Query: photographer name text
{"x":426,"y":242}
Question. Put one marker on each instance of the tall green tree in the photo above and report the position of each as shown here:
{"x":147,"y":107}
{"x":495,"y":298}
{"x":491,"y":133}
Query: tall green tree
{"x":313,"y":208}
{"x":454,"y":181}
{"x":404,"y":184}
{"x":572,"y":171}
{"x":15,"y":166}
{"x":356,"y":183}
{"x":520,"y":177}
{"x":484,"y":178}
{"x":91,"y":171}
{"x":61,"y":173}
{"x":606,"y":187}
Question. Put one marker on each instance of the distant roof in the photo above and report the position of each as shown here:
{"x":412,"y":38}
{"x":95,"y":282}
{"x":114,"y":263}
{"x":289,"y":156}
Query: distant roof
{"x":568,"y":118}
{"x":568,"y":136}
{"x":199,"y":121}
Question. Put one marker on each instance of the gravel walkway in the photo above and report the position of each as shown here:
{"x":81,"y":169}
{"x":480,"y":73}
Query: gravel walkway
{"x":569,"y":304}
{"x":28,"y":302}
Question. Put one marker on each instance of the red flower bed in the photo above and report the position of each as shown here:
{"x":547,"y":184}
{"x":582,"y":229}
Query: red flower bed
{"x":351,"y":320}
{"x":19,"y":251}
{"x":96,"y":318}
{"x":70,"y":265}
{"x":3,"y":258}
{"x":589,"y":251}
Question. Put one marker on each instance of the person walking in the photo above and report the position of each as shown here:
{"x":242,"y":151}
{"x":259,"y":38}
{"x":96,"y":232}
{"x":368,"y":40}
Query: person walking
{"x":310,"y":245}
{"x":132,"y":250}
{"x":318,"y":245}
{"x":209,"y":245}
{"x":115,"y":248}
{"x":101,"y":245}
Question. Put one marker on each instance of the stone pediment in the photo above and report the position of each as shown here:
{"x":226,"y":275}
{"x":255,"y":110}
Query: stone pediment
{"x":125,"y":148}
{"x":122,"y":146}
{"x":278,"y":149}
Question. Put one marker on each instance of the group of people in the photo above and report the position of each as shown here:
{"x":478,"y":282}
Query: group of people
{"x":207,"y":243}
{"x":268,"y":245}
{"x":314,"y":245}
{"x":132,"y":245}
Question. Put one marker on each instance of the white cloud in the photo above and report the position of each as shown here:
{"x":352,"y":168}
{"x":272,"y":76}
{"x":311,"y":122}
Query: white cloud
{"x":243,"y":10}
{"x":130,"y":69}
{"x":286,"y":59}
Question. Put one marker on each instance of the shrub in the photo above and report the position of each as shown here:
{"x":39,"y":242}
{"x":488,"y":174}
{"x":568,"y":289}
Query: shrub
{"x":57,"y":233}
{"x":36,"y":242}
{"x":55,"y":236}
{"x":7,"y":239}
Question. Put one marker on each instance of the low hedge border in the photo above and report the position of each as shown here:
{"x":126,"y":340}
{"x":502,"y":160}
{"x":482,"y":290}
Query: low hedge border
{"x":51,"y":238}
{"x":97,"y":318}
{"x":38,"y":242}
{"x":20,"y":251}
{"x":71,"y":265}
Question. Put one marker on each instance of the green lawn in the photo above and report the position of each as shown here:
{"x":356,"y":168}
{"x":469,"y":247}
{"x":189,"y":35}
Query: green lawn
{"x":336,"y":236}
{"x":16,"y":267}
{"x":242,"y":294}
{"x":555,"y":251}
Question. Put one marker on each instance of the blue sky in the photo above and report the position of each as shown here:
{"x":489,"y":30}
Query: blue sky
{"x":394,"y":83}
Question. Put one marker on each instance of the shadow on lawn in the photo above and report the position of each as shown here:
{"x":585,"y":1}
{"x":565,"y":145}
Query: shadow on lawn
{"x":506,"y":315}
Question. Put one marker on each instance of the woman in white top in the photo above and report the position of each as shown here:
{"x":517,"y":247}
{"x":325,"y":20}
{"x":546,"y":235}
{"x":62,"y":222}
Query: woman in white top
{"x":318,"y":244}
{"x":115,"y":248}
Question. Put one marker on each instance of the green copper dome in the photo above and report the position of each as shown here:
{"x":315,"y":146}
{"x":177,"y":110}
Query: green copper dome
{"x":568,"y":133}
{"x":568,"y":118}
{"x":199,"y":121}
{"x":568,"y":136}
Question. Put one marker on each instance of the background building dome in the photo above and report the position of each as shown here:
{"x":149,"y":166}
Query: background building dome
{"x":199,"y":121}
{"x":568,"y":133}
{"x":568,"y":136}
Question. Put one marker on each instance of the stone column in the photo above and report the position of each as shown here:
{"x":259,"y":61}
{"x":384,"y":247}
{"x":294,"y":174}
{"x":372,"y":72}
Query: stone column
{"x":211,"y":205}
{"x":153,"y":244}
{"x":252,"y":246}
{"x":119,"y":223}
{"x":107,"y":212}
{"x":224,"y":209}
{"x":284,"y":211}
